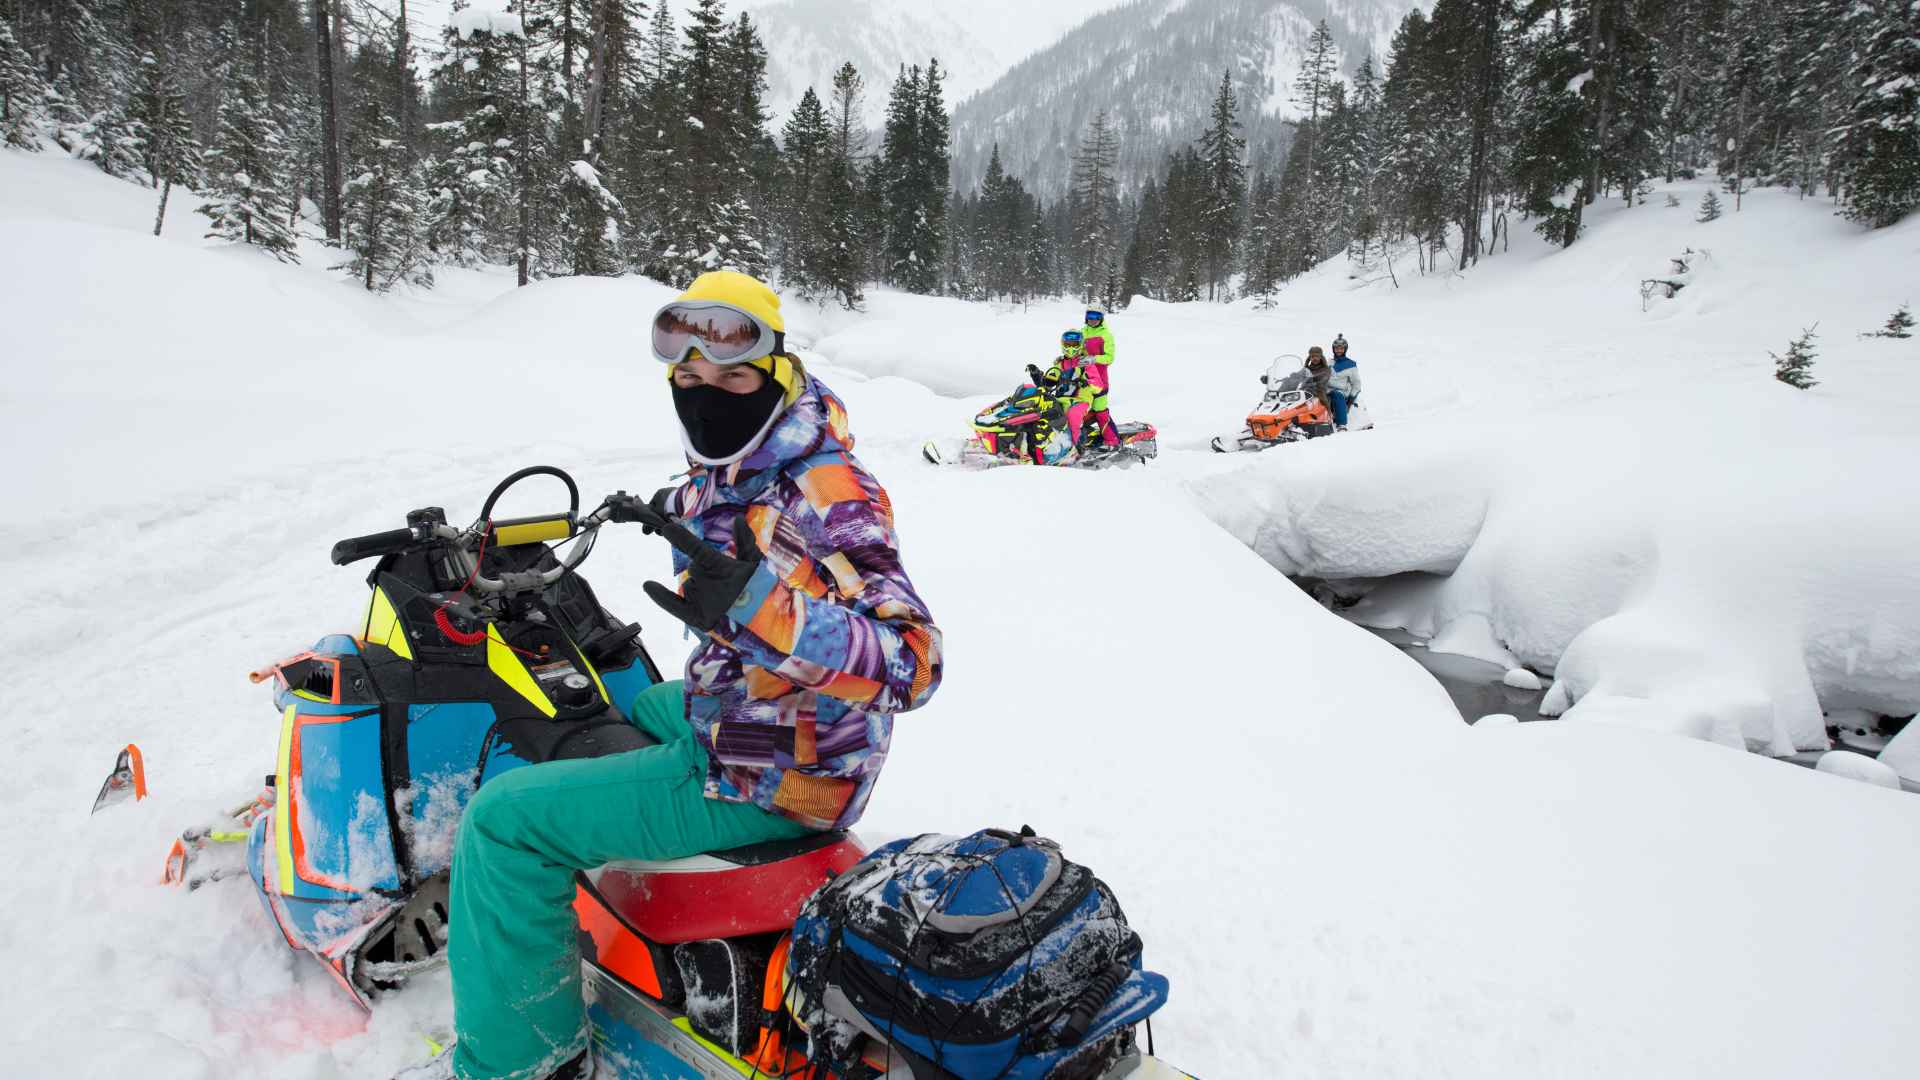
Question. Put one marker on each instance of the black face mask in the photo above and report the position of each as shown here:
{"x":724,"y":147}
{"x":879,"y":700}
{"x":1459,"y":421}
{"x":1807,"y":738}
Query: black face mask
{"x":719,"y":422}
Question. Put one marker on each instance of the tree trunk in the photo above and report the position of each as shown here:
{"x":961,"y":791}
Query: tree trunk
{"x":166,"y":188}
{"x":596,"y":82}
{"x":525,"y":169}
{"x":1600,"y":42}
{"x":329,"y":122}
{"x":1482,"y":120}
{"x":402,"y":79}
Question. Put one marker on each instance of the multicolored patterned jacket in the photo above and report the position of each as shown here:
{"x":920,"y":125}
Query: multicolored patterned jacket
{"x":793,"y":694}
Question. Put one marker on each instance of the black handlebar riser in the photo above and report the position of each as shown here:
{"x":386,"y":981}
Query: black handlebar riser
{"x":573,"y":489}
{"x":355,"y":548}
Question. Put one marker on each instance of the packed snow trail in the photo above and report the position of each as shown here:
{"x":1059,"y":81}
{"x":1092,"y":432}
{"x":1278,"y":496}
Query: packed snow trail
{"x":1339,"y":877}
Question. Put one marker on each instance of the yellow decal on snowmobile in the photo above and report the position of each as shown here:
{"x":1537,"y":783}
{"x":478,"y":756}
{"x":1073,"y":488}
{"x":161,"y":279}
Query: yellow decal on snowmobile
{"x":584,"y":662}
{"x":282,"y":825}
{"x":531,"y":531}
{"x":383,"y":626}
{"x":503,"y":662}
{"x":686,"y":1027}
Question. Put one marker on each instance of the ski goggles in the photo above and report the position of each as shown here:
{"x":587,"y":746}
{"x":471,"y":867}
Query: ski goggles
{"x":1073,"y":337}
{"x":1095,"y":318}
{"x":723,"y":333}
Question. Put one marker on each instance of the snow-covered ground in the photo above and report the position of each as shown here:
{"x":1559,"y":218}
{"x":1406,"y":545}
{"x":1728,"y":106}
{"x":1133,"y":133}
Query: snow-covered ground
{"x":1340,"y":878}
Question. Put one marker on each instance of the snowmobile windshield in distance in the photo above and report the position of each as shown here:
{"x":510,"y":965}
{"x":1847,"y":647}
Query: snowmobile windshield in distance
{"x":1283,"y":366}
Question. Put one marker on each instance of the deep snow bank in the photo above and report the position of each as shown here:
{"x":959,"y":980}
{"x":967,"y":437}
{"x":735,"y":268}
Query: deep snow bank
{"x":1340,"y":878}
{"x":1688,"y":546}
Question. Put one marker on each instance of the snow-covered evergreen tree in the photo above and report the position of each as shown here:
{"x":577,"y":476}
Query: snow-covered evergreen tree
{"x":805,"y":152}
{"x":24,"y":94}
{"x":710,"y":224}
{"x":173,"y":155}
{"x":245,"y":197}
{"x":1224,"y":153}
{"x":1880,"y":130}
{"x":472,"y":181}
{"x":1898,"y":325}
{"x":1709,"y":207}
{"x":1094,"y":203}
{"x":383,"y":206}
{"x":1796,"y":367}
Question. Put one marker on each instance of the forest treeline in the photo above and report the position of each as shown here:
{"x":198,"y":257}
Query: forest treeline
{"x":598,"y":137}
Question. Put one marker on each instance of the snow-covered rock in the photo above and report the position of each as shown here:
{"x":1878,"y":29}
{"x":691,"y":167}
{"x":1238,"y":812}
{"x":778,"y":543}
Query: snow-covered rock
{"x":1522,"y":679}
{"x":1858,"y":767}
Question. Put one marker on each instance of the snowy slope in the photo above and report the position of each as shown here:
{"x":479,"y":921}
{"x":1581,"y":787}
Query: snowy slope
{"x":1154,"y":66}
{"x":975,"y":41}
{"x":1339,"y":876}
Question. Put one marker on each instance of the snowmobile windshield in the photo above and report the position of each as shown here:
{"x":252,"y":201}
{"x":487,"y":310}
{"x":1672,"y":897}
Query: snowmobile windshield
{"x":1283,"y":366}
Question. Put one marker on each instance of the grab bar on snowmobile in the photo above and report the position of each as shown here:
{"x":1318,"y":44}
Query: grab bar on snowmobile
{"x":517,"y":581}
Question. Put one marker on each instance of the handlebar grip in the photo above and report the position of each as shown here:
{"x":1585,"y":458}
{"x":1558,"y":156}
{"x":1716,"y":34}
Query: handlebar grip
{"x":355,"y":548}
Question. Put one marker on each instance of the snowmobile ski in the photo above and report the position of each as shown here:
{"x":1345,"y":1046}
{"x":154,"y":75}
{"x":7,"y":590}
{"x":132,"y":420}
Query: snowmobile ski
{"x":128,"y":780}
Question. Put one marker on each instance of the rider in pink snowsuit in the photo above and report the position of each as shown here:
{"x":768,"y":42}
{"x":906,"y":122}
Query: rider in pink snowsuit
{"x":1099,"y":338}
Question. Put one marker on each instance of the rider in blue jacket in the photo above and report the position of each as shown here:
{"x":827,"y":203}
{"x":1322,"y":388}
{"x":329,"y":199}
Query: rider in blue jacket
{"x":1343,"y":389}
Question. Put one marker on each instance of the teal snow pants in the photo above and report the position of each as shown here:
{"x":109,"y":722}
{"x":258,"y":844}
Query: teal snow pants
{"x":514,"y":948}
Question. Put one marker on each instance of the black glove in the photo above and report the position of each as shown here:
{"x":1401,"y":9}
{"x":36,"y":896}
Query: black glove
{"x":714,"y":579}
{"x":629,"y":508}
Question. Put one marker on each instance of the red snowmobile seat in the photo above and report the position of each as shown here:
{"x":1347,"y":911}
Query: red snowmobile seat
{"x":756,"y":889}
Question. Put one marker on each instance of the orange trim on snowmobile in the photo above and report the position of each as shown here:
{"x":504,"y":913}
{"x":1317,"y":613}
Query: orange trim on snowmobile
{"x":616,"y":946}
{"x":1274,"y":425}
{"x":299,"y":843}
{"x":139,"y":765}
{"x":277,"y":671}
{"x":770,"y":1055}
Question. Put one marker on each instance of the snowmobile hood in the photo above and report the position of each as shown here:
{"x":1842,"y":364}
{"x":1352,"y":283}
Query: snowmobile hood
{"x":816,"y":421}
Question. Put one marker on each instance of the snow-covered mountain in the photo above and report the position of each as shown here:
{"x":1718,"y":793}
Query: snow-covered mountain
{"x":1155,"y":65}
{"x":976,"y":41}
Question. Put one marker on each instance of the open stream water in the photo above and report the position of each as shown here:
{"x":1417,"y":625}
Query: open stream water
{"x":1478,"y":689}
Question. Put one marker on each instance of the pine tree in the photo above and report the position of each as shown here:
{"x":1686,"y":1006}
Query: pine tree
{"x":1095,"y":203}
{"x":1898,"y":325}
{"x":806,"y":152}
{"x":245,"y":196}
{"x":911,"y":178}
{"x":24,"y":95}
{"x":1880,"y":131}
{"x":849,"y":96}
{"x":839,"y":264}
{"x":1260,"y":235}
{"x":709,"y":223}
{"x":649,"y":163}
{"x":173,"y":155}
{"x":1796,"y":368}
{"x":382,"y":206}
{"x":1224,"y":151}
{"x":1551,"y":154}
{"x":1709,"y":208}
{"x":743,"y":59}
{"x":472,"y":182}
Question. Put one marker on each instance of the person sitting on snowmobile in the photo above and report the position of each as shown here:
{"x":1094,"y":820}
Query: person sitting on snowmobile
{"x":1343,"y":386}
{"x":1065,"y":379}
{"x":1321,"y":374}
{"x":1099,"y":349}
{"x":810,"y":637}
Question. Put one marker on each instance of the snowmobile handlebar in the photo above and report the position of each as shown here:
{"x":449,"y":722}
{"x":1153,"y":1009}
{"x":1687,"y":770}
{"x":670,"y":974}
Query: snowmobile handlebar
{"x":355,"y":548}
{"x":429,"y":526}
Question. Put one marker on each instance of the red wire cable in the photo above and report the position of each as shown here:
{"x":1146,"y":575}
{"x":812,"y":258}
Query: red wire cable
{"x":444,"y":621}
{"x":472,"y":637}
